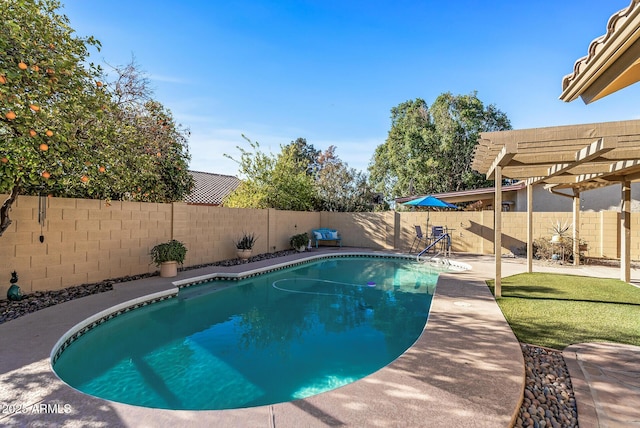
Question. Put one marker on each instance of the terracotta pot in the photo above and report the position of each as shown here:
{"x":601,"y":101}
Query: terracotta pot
{"x":244,"y":254}
{"x":168,"y":269}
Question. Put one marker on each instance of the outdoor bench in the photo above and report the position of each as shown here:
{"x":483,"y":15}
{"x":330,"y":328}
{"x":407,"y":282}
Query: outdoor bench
{"x":325,"y":234}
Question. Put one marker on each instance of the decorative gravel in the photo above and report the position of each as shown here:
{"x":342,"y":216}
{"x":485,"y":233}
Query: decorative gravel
{"x":548,"y":397}
{"x":548,"y":394}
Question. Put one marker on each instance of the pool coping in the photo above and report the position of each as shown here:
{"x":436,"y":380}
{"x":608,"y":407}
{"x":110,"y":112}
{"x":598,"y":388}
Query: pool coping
{"x":466,"y":369}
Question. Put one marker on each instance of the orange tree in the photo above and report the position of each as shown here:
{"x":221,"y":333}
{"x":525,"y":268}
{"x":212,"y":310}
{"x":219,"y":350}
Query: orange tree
{"x":64,"y":132}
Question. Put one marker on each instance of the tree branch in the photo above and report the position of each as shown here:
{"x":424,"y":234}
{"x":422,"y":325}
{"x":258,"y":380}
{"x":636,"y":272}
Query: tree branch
{"x":5,"y":221}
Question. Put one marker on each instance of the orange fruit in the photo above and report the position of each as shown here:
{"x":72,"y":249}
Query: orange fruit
{"x":4,"y":160}
{"x":102,"y":169}
{"x":49,"y":133}
{"x":44,"y":147}
{"x":32,"y":133}
{"x":45,"y":174}
{"x":34,"y":107}
{"x":98,"y":83}
{"x":10,"y":115}
{"x":158,"y":154}
{"x":50,"y":71}
{"x":3,"y":79}
{"x":35,"y":68}
{"x":84,"y":179}
{"x":22,"y":65}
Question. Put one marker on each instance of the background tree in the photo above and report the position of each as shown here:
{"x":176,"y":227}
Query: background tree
{"x":430,"y":150}
{"x":339,"y":187}
{"x":62,"y":131}
{"x":306,"y":154}
{"x":299,"y":178}
{"x":149,"y":151}
{"x":273,"y":181}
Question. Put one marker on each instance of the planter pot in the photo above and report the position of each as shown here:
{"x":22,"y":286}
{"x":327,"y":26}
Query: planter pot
{"x":168,"y":269}
{"x":301,"y":248}
{"x":556,"y":239}
{"x":244,"y":254}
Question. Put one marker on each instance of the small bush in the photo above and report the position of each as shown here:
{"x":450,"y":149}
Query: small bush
{"x":168,"y":251}
{"x":544,"y":249}
{"x":299,"y":240}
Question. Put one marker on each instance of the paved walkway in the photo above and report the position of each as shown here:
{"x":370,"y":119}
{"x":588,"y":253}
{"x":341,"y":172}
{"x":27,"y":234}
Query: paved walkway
{"x":466,"y":370}
{"x":606,"y":382}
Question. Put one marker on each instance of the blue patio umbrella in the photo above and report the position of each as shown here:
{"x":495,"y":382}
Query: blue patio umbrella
{"x":430,"y":201}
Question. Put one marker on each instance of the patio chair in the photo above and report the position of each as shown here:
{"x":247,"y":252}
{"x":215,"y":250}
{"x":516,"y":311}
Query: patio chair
{"x":436,"y":233}
{"x":419,"y":236}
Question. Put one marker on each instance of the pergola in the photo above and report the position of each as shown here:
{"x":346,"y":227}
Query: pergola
{"x":576,"y":157}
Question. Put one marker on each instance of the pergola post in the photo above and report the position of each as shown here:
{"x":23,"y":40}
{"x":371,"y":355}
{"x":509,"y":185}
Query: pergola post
{"x":625,"y":232}
{"x":497,"y":240}
{"x":576,"y":228}
{"x":529,"y":228}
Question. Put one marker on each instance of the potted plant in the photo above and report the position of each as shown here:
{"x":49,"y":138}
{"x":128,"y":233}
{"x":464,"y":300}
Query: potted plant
{"x":167,"y":255}
{"x":299,"y":241}
{"x":244,"y":245}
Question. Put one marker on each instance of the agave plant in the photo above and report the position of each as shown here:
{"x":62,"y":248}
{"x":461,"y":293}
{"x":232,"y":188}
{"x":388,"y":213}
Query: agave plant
{"x":246,"y":241}
{"x":560,"y":228}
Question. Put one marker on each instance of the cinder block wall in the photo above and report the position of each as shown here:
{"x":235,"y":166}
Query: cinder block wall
{"x":88,"y":241}
{"x":209,"y":233}
{"x":85,"y":241}
{"x":284,"y":224}
{"x":368,"y":230}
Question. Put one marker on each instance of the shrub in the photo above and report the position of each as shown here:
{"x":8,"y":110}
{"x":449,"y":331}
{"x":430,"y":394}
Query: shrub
{"x":299,"y":240}
{"x":168,"y":251}
{"x":544,"y":249}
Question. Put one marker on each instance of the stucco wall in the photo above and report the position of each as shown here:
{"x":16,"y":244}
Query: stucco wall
{"x":603,"y":198}
{"x":88,"y":241}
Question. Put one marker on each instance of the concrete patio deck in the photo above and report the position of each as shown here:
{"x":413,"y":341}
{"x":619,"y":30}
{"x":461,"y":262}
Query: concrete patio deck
{"x":466,"y":369}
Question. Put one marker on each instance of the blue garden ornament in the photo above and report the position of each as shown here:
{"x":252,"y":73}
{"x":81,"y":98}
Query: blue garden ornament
{"x":14,"y":292}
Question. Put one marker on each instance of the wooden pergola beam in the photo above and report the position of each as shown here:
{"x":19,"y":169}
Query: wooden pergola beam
{"x":503,"y":158}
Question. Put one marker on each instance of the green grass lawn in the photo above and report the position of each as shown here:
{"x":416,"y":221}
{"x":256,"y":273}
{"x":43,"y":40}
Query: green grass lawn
{"x":556,"y":310}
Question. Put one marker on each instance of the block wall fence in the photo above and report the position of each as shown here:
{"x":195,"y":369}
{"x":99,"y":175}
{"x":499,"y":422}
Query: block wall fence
{"x":87,"y":241}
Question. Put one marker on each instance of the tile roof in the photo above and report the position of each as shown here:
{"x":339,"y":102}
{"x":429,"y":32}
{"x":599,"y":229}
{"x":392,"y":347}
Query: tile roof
{"x":211,"y":188}
{"x":612,"y":60}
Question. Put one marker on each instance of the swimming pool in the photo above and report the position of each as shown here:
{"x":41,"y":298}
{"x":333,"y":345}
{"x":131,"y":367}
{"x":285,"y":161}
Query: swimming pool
{"x":271,"y":338}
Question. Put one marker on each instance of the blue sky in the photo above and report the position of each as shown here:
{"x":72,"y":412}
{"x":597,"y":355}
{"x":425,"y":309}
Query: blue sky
{"x":331,"y":70}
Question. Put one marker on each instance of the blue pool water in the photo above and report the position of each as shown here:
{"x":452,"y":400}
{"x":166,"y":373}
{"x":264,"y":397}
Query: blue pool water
{"x":272,"y":338}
